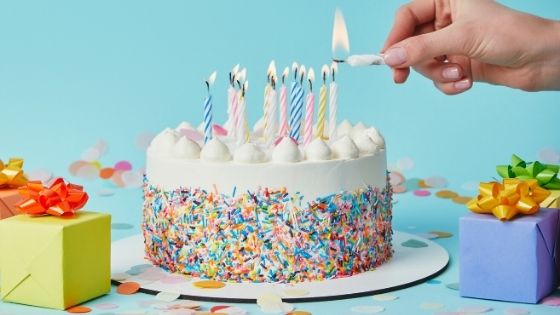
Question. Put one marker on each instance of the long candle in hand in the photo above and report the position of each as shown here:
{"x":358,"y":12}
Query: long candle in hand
{"x":332,"y":104}
{"x":309,"y":109}
{"x":322,"y":104}
{"x":284,"y":105}
{"x":208,"y":109}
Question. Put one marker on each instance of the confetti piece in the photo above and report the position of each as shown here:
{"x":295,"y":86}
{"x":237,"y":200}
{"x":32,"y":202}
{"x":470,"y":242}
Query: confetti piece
{"x":121,"y":226}
{"x":106,"y":306}
{"x":441,"y":234}
{"x":96,"y":164}
{"x":75,"y":167}
{"x":549,"y":155}
{"x":384,"y":297}
{"x":209,"y":284}
{"x":230,"y":310}
{"x":296,"y":292}
{"x":405,"y":164}
{"x":422,"y":184}
{"x":127,"y":288}
{"x":219,"y":130}
{"x":461,"y":199}
{"x":446,"y":194}
{"x":367,"y":309}
{"x":42,"y":175}
{"x":412,"y":243}
{"x":167,"y":296}
{"x":516,"y":311}
{"x":551,"y":300}
{"x":453,"y":286}
{"x":427,"y":236}
{"x":431,"y":306}
{"x":79,"y":310}
{"x":399,"y":189}
{"x":123,"y":166}
{"x":433,"y":281}
{"x":422,"y":193}
{"x":298,"y":313}
{"x":117,"y":178}
{"x":106,"y":173}
{"x":106,"y":192}
{"x":194,"y":135}
{"x":132,"y":179}
{"x":475,"y":309}
{"x":143,"y":140}
{"x":120,"y":276}
{"x":396,"y":178}
{"x":87,"y":172}
{"x":91,"y":154}
{"x":436,"y":182}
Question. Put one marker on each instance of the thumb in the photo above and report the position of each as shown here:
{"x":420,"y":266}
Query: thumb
{"x":414,"y":50}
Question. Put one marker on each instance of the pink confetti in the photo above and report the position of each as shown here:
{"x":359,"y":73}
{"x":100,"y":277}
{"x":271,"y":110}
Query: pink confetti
{"x":551,"y":300}
{"x":123,"y":166}
{"x":396,"y":178}
{"x":219,"y":130}
{"x":422,"y":193}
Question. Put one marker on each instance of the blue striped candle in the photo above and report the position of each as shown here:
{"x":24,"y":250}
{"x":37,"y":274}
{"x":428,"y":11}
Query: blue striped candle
{"x":208,"y":119}
{"x":296,"y":110}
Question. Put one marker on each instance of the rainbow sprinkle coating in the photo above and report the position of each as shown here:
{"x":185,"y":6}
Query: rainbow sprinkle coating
{"x":267,"y":235}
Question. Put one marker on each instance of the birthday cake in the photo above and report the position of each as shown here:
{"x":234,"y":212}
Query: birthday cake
{"x":276,"y":210}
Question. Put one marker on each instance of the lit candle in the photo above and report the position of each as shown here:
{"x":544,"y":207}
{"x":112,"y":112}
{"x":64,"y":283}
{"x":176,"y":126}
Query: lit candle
{"x":272,"y":127}
{"x":309,"y":109}
{"x":241,"y":124}
{"x":322,"y":103}
{"x":266,"y":110}
{"x":284,"y":105}
{"x":208,"y":109}
{"x":296,"y":110}
{"x":232,"y":102}
{"x":332,"y":104}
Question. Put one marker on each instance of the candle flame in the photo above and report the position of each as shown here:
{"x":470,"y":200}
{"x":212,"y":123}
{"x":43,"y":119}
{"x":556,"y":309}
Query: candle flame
{"x":294,"y":66}
{"x":340,"y":42}
{"x":245,"y":86}
{"x":235,"y":69}
{"x":311,"y":75}
{"x":271,"y":68}
{"x":211,"y":79}
{"x":242,"y":75}
{"x":302,"y":71}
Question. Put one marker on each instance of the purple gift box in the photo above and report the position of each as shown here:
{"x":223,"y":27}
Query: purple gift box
{"x":517,"y":261}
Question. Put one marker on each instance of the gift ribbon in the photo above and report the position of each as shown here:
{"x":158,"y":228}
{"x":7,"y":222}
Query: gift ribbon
{"x":505,"y":201}
{"x":58,"y":199}
{"x":11,"y":174}
{"x":545,"y":174}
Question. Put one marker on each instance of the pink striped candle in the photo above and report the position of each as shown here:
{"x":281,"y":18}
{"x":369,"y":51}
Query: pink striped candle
{"x":284,"y":105}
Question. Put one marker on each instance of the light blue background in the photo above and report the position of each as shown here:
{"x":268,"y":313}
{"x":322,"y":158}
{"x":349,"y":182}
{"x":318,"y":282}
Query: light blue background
{"x":72,"y":72}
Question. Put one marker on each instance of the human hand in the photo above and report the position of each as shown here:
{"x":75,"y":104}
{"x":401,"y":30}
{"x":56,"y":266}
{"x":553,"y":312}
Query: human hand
{"x":454,"y":43}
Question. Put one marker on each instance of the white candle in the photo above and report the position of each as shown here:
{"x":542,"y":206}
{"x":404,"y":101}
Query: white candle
{"x":309,"y":109}
{"x":272,"y":127}
{"x":333,"y":94}
{"x":229,"y":125}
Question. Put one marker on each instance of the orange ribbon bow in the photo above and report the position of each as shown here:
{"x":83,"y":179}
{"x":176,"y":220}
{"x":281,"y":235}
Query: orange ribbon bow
{"x":58,"y":199}
{"x":507,"y":200}
{"x":11,"y":175}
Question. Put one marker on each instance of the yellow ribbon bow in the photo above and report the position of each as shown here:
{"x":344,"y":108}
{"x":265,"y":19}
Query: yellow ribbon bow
{"x":11,"y":174}
{"x":507,"y":200}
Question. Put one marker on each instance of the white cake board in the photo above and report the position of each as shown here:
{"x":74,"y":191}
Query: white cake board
{"x":409,"y":266}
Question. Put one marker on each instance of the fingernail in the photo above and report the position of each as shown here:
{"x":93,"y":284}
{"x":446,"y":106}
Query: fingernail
{"x":462,"y":85}
{"x":395,"y":56}
{"x":451,"y":73}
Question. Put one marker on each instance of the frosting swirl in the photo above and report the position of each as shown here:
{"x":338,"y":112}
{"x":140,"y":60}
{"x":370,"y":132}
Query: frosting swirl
{"x":215,"y":151}
{"x":318,"y":150}
{"x":345,"y":148}
{"x":249,"y":153}
{"x":286,"y":151}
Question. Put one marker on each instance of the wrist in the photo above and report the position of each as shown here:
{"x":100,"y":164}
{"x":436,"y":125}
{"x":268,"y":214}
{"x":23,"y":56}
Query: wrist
{"x":550,"y":55}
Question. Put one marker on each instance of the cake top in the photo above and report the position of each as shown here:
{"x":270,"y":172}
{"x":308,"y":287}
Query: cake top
{"x":188,"y":143}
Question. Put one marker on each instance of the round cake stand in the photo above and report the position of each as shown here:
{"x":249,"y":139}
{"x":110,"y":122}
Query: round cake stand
{"x":409,"y":266}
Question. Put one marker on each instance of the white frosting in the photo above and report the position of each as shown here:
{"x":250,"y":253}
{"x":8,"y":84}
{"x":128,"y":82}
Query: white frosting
{"x":376,"y":137}
{"x":185,"y":148}
{"x":215,"y":151}
{"x":344,"y":129}
{"x":345,"y":148}
{"x":164,"y":143}
{"x":184,"y":125}
{"x":286,"y":151}
{"x":249,"y":153}
{"x":200,"y":128}
{"x":317,"y":150}
{"x":365,"y":144}
{"x":357,"y":130}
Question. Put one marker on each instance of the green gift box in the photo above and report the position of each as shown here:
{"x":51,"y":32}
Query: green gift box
{"x":55,"y":262}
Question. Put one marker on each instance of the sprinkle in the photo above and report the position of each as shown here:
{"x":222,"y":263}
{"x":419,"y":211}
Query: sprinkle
{"x":422,"y":193}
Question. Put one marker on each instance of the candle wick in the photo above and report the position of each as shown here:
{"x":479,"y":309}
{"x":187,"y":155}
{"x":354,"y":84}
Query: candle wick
{"x":324,"y":78}
{"x":283,"y":77}
{"x":295,"y":75}
{"x":208,"y":86}
{"x":238,"y":83}
{"x":310,"y":86}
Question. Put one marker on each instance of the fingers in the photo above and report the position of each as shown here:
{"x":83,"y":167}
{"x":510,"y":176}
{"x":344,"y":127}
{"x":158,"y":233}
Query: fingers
{"x":453,"y":88}
{"x":400,"y":75}
{"x":451,"y":77}
{"x":443,"y":14}
{"x":407,"y":18}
